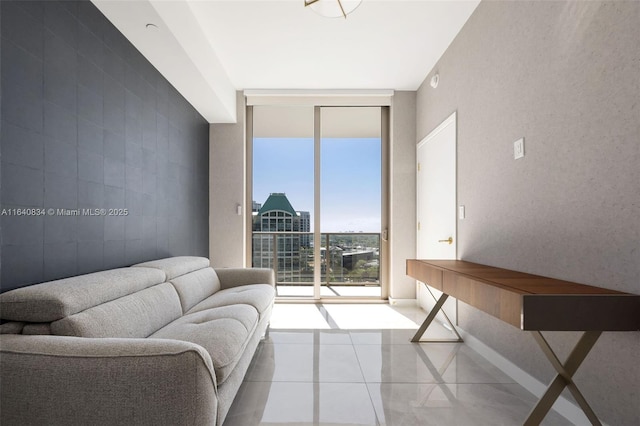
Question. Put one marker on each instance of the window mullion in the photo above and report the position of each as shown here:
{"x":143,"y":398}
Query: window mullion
{"x":317,"y":270}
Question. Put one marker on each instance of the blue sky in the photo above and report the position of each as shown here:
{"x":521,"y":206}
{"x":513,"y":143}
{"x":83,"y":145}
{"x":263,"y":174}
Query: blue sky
{"x":350,"y":179}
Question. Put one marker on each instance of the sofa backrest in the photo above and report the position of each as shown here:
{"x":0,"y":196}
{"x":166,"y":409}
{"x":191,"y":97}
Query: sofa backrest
{"x":125,"y":302}
{"x":192,"y":277}
{"x":139,"y":314}
{"x":54,"y":300}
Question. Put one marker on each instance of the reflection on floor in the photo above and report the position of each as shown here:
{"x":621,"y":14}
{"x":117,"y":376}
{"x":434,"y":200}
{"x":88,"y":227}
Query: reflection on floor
{"x":354,"y":365}
{"x":328,"y":291}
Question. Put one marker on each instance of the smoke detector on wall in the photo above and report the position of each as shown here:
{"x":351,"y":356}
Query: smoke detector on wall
{"x":435,"y":80}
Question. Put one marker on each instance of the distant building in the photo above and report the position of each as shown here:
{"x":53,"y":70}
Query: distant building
{"x":350,"y":259}
{"x":305,"y":226}
{"x":276,"y":224}
{"x":277,"y":215}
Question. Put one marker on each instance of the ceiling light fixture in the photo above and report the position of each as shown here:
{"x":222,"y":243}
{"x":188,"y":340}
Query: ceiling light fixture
{"x":333,"y":8}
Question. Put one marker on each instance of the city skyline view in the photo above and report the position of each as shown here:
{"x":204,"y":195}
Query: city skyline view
{"x":350,"y":179}
{"x":349,"y":258}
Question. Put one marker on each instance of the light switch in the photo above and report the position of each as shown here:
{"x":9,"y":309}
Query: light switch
{"x":460,"y":212}
{"x":518,"y":148}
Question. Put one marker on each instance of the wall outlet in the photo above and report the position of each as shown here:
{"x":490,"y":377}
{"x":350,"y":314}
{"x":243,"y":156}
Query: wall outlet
{"x":518,"y":148}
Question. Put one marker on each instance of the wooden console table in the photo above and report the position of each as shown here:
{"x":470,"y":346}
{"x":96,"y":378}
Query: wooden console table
{"x":534,"y":303}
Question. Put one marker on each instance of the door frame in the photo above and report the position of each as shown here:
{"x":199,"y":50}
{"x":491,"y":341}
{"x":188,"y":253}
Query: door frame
{"x":385,"y":135}
{"x":451,"y":120}
{"x":451,"y":306}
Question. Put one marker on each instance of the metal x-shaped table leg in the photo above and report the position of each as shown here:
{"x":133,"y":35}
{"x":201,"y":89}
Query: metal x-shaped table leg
{"x":564,"y":378}
{"x":432,"y":315}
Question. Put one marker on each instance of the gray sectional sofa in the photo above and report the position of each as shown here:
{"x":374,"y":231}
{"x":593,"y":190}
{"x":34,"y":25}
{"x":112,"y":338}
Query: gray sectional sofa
{"x":166,"y":342}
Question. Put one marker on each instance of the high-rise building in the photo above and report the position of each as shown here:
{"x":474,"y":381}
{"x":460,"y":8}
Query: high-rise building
{"x":276,"y":224}
{"x":281,"y":223}
{"x":305,"y":226}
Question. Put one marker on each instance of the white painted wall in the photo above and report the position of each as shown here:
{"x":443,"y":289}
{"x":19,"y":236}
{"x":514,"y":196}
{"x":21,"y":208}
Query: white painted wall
{"x":402,"y":231}
{"x":227,"y":165}
{"x":227,"y":186}
{"x":565,"y":76}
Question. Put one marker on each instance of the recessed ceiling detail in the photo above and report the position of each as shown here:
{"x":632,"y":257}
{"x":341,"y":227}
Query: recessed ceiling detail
{"x":209,"y":49}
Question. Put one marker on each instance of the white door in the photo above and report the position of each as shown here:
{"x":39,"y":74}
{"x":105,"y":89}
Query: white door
{"x":436,"y":204}
{"x":436,"y":193}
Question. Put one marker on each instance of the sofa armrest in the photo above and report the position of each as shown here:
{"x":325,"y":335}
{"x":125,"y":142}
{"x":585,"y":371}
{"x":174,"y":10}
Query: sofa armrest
{"x":58,"y":380}
{"x":234,"y":277}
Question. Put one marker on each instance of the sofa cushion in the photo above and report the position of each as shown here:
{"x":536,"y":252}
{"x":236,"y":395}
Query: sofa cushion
{"x":53,"y":300}
{"x":196,"y":286}
{"x":236,"y":277}
{"x":175,"y":266}
{"x":13,"y":327}
{"x":74,"y":381}
{"x":224,"y":332}
{"x":136,"y":315}
{"x":260,"y":296}
{"x":42,"y":328}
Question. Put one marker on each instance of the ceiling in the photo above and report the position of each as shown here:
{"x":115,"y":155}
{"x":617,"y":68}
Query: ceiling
{"x":209,"y":49}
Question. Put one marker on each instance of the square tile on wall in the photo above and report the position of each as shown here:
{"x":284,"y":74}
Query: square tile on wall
{"x":85,"y":120}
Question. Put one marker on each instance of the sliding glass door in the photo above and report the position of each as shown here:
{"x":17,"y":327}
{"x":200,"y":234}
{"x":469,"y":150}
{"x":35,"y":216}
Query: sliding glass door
{"x":283,"y":196}
{"x":317,"y":188}
{"x":351,"y":196}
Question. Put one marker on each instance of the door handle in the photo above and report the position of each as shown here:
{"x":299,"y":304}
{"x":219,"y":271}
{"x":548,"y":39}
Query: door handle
{"x":448,"y":240}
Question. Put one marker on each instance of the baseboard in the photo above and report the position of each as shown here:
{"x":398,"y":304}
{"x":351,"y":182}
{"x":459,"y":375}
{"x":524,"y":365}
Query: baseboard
{"x":402,"y":302}
{"x":562,"y":406}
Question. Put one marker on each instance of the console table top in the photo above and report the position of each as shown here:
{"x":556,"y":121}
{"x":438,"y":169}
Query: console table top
{"x":527,"y":301}
{"x":517,"y":281}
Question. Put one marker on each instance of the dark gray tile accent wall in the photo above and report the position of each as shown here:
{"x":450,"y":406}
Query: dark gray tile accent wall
{"x":0,"y":146}
{"x":88,"y":123}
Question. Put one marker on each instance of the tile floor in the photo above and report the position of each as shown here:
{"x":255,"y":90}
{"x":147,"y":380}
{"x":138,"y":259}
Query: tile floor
{"x":328,"y":291}
{"x":354,"y":365}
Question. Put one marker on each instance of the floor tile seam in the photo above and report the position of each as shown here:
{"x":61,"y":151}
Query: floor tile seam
{"x":423,"y":382}
{"x":310,"y":382}
{"x":321,"y":381}
{"x":374,"y":382}
{"x":479,"y":383}
{"x":366,"y":384}
{"x":307,"y":344}
{"x":308,"y":330}
{"x":383,"y":382}
{"x":365,"y":381}
{"x":333,"y":344}
{"x":384,"y":344}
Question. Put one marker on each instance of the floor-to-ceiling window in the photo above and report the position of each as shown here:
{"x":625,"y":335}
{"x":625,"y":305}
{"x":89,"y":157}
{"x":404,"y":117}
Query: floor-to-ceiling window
{"x":282,"y":191}
{"x":350,"y":200}
{"x":318,"y":192}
